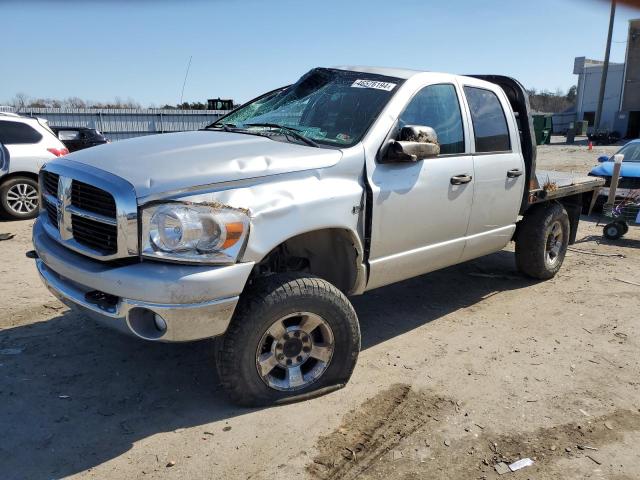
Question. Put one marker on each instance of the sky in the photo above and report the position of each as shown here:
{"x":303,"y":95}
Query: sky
{"x":100,"y":50}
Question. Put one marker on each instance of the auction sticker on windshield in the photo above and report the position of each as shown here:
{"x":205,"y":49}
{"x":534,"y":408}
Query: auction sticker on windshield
{"x":374,"y":84}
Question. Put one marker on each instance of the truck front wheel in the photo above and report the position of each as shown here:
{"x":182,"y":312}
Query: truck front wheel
{"x":542,"y":241}
{"x":293,"y":336}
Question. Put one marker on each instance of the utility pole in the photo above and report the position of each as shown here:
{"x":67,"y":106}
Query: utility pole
{"x":605,"y":67}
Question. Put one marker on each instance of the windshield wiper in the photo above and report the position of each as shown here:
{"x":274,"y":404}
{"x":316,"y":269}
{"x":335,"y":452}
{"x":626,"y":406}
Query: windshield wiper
{"x":227,"y":127}
{"x":293,"y":131}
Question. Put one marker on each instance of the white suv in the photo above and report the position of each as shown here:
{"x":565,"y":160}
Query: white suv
{"x":29,"y":143}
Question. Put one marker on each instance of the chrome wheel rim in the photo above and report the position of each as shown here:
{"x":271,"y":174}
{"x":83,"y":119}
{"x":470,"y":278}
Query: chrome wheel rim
{"x":22,"y":198}
{"x":554,"y":243}
{"x":295,"y":351}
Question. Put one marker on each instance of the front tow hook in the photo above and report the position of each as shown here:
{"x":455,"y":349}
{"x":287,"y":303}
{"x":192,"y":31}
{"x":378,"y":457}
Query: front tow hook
{"x":32,"y":254}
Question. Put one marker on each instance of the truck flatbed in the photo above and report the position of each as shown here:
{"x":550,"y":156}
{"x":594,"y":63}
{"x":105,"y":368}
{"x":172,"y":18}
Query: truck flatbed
{"x":554,"y":184}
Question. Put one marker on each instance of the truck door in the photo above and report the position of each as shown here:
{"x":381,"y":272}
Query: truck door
{"x":420,"y":210}
{"x":499,"y":171}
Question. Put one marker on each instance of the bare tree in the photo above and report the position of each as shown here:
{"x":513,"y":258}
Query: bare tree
{"x":74,"y":102}
{"x":20,"y":100}
{"x":545,"y":101}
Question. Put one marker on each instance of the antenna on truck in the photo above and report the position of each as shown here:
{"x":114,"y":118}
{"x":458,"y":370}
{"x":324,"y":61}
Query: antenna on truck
{"x":185,"y":79}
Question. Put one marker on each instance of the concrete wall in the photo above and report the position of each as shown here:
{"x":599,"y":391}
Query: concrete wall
{"x":631,"y":98}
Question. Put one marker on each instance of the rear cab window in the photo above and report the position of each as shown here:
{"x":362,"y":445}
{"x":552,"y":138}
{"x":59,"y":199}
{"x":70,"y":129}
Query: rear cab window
{"x":16,"y":133}
{"x":489,"y":123}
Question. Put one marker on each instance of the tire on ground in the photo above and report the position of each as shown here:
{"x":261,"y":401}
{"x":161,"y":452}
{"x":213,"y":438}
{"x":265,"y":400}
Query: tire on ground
{"x":625,"y":227}
{"x":8,"y":212}
{"x":613,"y":230}
{"x":263,"y":303}
{"x":531,"y":241}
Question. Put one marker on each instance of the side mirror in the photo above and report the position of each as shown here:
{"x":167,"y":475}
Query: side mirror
{"x":415,"y":143}
{"x":603,"y":158}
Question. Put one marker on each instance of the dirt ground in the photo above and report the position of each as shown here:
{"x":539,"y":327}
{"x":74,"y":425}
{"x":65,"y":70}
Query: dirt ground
{"x":459,"y":370}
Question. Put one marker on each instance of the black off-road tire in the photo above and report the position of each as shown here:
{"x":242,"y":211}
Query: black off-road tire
{"x":625,"y":228}
{"x":532,"y":241}
{"x":5,"y":210}
{"x":613,"y":230}
{"x":263,"y":303}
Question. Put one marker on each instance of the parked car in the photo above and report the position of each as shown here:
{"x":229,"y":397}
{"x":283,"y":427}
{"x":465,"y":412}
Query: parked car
{"x":78,"y":138}
{"x":629,"y":172}
{"x":29,"y":144}
{"x":604,"y":137}
{"x":255,"y":229}
{"x":4,"y":160}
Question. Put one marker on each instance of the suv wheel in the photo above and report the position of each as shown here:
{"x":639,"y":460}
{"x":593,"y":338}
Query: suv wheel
{"x":293,"y":336}
{"x":19,"y":198}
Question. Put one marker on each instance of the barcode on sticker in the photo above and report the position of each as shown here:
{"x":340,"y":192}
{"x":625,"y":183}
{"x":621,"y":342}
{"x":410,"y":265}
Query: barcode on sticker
{"x":374,"y":84}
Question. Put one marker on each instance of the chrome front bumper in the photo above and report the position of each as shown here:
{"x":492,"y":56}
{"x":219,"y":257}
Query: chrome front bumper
{"x":193,"y":302}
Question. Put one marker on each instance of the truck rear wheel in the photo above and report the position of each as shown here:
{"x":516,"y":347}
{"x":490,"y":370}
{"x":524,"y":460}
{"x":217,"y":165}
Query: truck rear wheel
{"x":293,"y":336}
{"x":542,"y":241}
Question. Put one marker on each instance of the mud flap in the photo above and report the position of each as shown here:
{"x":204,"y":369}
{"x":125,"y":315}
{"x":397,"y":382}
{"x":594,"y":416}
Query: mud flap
{"x":573,"y":210}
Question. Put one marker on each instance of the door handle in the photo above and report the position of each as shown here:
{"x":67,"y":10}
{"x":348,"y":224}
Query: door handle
{"x":460,"y":179}
{"x":514,"y":173}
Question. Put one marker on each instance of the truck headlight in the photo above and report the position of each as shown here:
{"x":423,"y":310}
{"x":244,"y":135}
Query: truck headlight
{"x":193,"y":233}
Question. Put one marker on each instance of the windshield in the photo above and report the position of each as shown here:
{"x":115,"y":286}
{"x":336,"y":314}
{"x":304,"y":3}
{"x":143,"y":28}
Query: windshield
{"x":328,"y":106}
{"x":631,"y":152}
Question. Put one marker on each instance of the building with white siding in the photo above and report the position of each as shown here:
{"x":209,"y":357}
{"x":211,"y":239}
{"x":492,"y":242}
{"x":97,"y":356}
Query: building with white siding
{"x":621,"y":105}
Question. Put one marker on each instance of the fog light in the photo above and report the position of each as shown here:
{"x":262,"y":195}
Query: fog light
{"x":161,"y":325}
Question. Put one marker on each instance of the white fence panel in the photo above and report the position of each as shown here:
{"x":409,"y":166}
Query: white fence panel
{"x":121,"y":123}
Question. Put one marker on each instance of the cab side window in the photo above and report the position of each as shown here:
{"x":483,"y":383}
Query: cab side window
{"x":489,"y":123}
{"x":437,"y":106}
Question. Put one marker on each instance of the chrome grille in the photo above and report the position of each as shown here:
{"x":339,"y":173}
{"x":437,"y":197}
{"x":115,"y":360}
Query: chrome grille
{"x":92,"y":199}
{"x":89,"y":210}
{"x":625,"y":182}
{"x":51,"y":183}
{"x":630,"y":183}
{"x":52,"y":213}
{"x":94,"y":234}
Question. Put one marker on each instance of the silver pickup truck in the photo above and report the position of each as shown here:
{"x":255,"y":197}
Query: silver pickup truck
{"x":257,"y":228}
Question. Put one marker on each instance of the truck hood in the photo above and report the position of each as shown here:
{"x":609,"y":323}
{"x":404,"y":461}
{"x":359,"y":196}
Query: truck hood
{"x":628,"y":169}
{"x":173,"y":161}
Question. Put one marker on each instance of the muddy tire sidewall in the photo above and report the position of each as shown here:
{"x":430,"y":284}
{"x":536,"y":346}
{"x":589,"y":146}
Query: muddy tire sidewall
{"x":532,"y":240}
{"x":266,"y":301}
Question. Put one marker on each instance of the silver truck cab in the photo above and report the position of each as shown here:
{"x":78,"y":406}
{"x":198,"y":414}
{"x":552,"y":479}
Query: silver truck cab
{"x":256,"y":228}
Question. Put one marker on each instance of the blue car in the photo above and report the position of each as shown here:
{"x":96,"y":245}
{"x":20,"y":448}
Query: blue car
{"x":629,"y":173}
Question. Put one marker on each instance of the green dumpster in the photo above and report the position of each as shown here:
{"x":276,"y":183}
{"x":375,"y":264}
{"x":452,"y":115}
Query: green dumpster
{"x":542,"y":127}
{"x":581,"y":127}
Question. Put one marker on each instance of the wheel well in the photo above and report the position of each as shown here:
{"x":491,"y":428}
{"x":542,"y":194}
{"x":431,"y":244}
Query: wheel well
{"x":572,"y":204}
{"x":9,"y":176}
{"x":332,"y":254}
